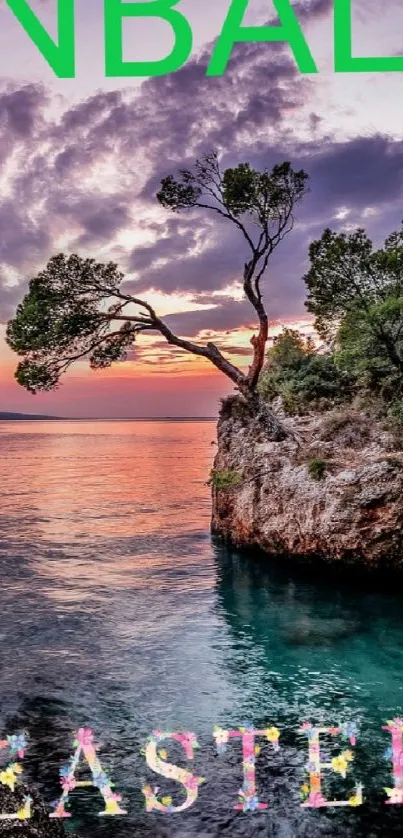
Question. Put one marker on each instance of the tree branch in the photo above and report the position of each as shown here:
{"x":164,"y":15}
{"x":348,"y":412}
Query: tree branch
{"x":210,"y":352}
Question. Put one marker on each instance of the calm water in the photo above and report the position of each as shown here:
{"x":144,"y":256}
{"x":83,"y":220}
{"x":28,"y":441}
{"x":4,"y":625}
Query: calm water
{"x":118,"y":612}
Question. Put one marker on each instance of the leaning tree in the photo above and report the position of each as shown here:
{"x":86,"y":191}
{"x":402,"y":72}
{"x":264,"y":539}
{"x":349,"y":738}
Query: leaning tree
{"x":78,"y":308}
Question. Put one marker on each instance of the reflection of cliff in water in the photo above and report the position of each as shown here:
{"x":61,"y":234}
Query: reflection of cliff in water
{"x":251,"y":587}
{"x":321,"y":651}
{"x":318,"y":646}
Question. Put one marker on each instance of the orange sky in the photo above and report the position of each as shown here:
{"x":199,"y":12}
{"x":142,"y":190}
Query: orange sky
{"x":78,"y":154}
{"x":158,"y":383}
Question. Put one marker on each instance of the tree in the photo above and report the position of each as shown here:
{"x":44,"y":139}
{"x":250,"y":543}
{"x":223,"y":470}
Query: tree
{"x":361,"y":353}
{"x":290,"y":351}
{"x":78,"y":308}
{"x":261,"y":205}
{"x":350,"y":282}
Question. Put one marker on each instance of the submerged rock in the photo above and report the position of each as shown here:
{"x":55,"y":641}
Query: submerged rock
{"x":331,"y":491}
{"x":38,"y":826}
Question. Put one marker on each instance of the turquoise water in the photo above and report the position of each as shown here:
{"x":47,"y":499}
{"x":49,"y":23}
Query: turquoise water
{"x":119,"y":612}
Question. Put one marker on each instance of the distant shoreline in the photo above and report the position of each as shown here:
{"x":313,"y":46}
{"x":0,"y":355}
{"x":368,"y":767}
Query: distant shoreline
{"x":28,"y":417}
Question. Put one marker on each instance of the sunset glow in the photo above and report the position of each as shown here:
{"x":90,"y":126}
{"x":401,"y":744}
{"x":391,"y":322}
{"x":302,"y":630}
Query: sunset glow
{"x":82,"y":162}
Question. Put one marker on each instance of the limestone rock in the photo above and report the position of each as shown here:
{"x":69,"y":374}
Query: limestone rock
{"x":352,"y":513}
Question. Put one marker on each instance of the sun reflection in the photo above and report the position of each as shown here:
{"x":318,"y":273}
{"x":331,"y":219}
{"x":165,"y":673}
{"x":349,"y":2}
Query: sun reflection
{"x":113,"y":484}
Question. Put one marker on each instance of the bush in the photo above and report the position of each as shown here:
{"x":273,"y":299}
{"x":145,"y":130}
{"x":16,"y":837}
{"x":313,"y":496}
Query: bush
{"x":394,"y":423}
{"x":225,"y":479}
{"x":395,"y":416}
{"x":317,"y":468}
{"x":303,"y":379}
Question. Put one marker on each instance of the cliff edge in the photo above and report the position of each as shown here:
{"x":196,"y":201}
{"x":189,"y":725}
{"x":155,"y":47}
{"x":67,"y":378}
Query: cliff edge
{"x":330,"y":492}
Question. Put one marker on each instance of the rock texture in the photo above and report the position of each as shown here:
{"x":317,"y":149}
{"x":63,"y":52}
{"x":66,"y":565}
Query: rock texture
{"x":353,"y":515}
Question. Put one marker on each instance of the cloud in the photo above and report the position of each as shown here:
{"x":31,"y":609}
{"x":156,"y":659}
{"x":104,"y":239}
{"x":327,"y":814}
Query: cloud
{"x":85,"y":178}
{"x":20,"y":110}
{"x":224,"y":316}
{"x":360,"y":174}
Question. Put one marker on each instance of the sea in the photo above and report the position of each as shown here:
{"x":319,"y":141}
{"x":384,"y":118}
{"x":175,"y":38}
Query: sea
{"x":120,"y":613}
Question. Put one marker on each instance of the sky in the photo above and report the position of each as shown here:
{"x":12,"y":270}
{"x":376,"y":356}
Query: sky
{"x":82,"y":160}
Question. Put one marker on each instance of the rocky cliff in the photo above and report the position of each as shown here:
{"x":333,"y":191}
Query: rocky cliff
{"x":331,"y":491}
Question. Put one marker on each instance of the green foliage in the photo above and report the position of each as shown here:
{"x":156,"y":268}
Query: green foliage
{"x":241,"y":188}
{"x":367,"y":357}
{"x":352,"y":287}
{"x":267,"y":197}
{"x":356,"y":295}
{"x":339,"y":277}
{"x":64,"y":317}
{"x":395,"y":415}
{"x":262,"y":194}
{"x":317,"y":468}
{"x":302,"y":378}
{"x":176,"y":195}
{"x":225,"y":479}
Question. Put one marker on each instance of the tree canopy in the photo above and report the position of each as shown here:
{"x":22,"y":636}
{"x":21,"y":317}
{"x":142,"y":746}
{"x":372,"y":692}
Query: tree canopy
{"x":260,"y":204}
{"x":349,"y":279}
{"x":355,"y":293}
{"x":78,"y":308}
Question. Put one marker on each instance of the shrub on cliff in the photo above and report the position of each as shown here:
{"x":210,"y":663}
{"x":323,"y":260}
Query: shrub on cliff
{"x":348,"y":428}
{"x":317,"y":468}
{"x":225,"y":479}
{"x":395,"y":415}
{"x":301,"y":377}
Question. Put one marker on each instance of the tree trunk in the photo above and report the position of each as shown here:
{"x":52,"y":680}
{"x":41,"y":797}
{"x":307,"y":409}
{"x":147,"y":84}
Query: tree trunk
{"x":258,"y":342}
{"x":274,"y":429}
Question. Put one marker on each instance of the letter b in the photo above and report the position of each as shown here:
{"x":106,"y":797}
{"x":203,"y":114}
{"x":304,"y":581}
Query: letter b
{"x":116,"y":10}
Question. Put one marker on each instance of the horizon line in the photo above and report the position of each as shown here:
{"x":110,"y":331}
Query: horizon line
{"x":15,"y":416}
